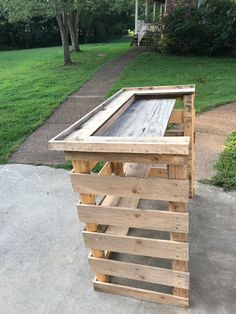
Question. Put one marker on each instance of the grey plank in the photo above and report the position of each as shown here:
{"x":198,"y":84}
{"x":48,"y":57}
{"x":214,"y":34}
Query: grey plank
{"x":145,"y":117}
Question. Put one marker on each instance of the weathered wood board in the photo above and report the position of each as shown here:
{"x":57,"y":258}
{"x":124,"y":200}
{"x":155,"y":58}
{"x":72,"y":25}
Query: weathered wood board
{"x":144,"y":118}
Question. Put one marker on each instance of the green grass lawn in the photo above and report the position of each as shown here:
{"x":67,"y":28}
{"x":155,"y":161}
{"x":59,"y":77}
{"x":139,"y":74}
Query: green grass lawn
{"x":214,"y":77}
{"x":34,"y":82}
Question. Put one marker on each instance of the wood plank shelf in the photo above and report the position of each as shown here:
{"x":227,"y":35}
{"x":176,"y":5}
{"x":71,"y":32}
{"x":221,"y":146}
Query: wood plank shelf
{"x":136,"y":206}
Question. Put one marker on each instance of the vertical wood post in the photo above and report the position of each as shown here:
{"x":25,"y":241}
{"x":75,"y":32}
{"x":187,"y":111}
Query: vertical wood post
{"x":136,"y":16}
{"x":84,"y":167}
{"x":146,"y":9}
{"x":161,"y":9}
{"x":178,"y":172}
{"x":165,"y":7}
{"x":117,"y":168}
{"x":189,"y":121}
{"x":154,"y":11}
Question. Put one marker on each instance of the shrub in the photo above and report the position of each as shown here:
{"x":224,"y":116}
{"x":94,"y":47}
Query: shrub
{"x":207,"y":30}
{"x":226,"y":166}
{"x":155,"y":40}
{"x":184,"y":31}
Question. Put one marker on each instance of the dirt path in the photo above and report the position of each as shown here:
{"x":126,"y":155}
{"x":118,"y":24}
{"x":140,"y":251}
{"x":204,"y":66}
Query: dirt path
{"x":35,"y":150}
{"x":212,"y":128}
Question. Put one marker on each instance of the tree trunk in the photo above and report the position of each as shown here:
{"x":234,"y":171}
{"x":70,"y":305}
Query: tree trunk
{"x":73,"y":20}
{"x":63,"y":26}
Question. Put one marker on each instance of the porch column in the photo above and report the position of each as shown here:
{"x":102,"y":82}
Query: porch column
{"x":165,"y":9}
{"x":136,"y":16}
{"x":154,"y":11}
{"x":146,"y":9}
{"x":161,"y":9}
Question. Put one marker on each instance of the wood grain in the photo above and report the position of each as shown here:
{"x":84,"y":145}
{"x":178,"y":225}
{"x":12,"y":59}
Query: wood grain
{"x":134,"y":218}
{"x":180,"y":172}
{"x":143,"y":145}
{"x":140,"y":272}
{"x":132,"y":187}
{"x":136,"y":245}
{"x":133,"y":157}
{"x":142,"y":294}
{"x":143,"y":118}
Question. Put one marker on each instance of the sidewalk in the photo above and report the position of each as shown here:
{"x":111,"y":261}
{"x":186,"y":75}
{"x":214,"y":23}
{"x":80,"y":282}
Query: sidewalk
{"x":35,"y":150}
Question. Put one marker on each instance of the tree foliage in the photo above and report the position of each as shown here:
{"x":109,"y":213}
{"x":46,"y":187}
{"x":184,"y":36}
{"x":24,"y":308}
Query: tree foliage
{"x":25,"y":10}
{"x":207,"y":30}
{"x":98,"y":20}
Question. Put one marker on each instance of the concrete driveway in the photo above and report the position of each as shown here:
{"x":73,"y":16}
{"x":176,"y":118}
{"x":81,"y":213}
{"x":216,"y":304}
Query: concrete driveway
{"x":43,"y":262}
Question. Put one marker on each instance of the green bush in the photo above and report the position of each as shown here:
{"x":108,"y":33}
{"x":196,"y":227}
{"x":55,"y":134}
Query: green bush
{"x":207,"y":30}
{"x":226,"y":166}
{"x":184,"y":31}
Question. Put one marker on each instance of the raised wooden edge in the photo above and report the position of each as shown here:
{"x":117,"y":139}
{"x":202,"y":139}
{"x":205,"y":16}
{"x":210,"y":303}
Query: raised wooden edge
{"x":134,"y":218}
{"x":56,"y":143}
{"x":143,"y":145}
{"x":175,"y":89}
{"x":156,"y":275}
{"x":142,"y":294}
{"x":165,"y":249}
{"x":85,"y":118}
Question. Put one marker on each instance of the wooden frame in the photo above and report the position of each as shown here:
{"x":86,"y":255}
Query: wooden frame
{"x":84,"y":136}
{"x":159,"y":168}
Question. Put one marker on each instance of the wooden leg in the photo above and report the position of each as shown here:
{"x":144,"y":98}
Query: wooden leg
{"x":85,"y":167}
{"x":178,"y":172}
{"x":117,"y":168}
{"x":189,"y":122}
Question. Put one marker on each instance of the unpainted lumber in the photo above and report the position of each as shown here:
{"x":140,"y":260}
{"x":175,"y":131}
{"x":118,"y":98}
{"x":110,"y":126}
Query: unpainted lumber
{"x":180,"y":172}
{"x":85,"y":167}
{"x":142,"y":294}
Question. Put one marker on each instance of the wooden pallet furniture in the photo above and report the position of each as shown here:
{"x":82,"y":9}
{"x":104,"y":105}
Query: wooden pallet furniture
{"x":135,"y":208}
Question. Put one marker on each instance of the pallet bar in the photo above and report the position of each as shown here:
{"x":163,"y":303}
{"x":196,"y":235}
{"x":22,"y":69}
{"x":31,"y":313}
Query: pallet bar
{"x":135,"y":208}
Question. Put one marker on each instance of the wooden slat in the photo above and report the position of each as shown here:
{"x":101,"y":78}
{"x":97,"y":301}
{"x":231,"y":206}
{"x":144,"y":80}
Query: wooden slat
{"x":143,"y":118}
{"x":101,"y":117}
{"x":158,"y":172}
{"x":106,"y":170}
{"x":136,"y":245}
{"x":142,"y":294}
{"x":84,"y":166}
{"x":174,"y":132}
{"x":143,"y":145}
{"x":155,"y":90}
{"x":130,"y":170}
{"x":134,"y":218}
{"x":177,"y":116}
{"x":103,"y":128}
{"x":146,"y":188}
{"x":85,"y":118}
{"x":130,"y":157}
{"x":134,"y":271}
